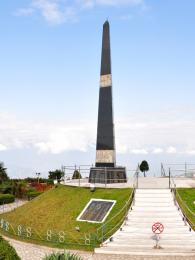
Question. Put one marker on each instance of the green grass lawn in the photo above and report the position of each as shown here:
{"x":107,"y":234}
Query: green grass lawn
{"x":7,"y":252}
{"x":187,"y":198}
{"x":56,"y":210}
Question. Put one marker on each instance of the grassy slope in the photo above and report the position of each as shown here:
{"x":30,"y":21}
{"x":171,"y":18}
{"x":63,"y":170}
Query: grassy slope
{"x":188,"y":196}
{"x":7,"y":252}
{"x":58,"y":209}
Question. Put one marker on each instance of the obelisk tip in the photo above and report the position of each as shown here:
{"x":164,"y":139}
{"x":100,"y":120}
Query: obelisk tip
{"x":106,"y":23}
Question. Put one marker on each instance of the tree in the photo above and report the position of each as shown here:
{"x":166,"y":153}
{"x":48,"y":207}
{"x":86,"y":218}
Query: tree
{"x":76,"y":175}
{"x":56,"y":175}
{"x":3,"y":173}
{"x":144,"y":167}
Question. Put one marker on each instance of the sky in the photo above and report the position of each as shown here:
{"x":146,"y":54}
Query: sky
{"x":49,"y":82}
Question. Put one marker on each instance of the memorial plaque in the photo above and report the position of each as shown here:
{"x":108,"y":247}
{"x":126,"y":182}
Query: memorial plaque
{"x":96,"y":210}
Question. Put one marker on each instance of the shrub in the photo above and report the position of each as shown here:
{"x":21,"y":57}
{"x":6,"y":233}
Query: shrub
{"x":50,"y":181}
{"x":6,"y":188}
{"x":7,"y":252}
{"x":33,"y":194}
{"x":76,"y":175}
{"x":20,"y":189}
{"x":6,"y":198}
{"x":62,"y":256}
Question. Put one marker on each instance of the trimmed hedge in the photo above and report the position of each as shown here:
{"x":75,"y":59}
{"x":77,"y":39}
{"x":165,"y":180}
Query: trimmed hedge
{"x":33,"y":194}
{"x":7,"y":252}
{"x":6,"y":198}
{"x":6,"y":188}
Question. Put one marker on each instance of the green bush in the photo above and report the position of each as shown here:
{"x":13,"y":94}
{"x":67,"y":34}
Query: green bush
{"x":50,"y":181}
{"x":7,"y":252}
{"x":6,"y":188}
{"x":76,"y":175}
{"x":33,"y":194}
{"x":62,"y":256}
{"x":6,"y":198}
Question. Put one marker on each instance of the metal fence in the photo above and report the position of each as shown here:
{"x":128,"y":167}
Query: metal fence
{"x":182,"y":206}
{"x":178,"y":169}
{"x":83,"y":177}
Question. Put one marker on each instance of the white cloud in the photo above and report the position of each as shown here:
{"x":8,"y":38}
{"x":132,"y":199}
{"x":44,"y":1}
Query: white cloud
{"x":191,"y":152}
{"x":92,"y":3}
{"x":45,"y":137}
{"x":157,"y":151}
{"x":3,"y":147}
{"x":53,"y":12}
{"x":65,"y":138}
{"x":59,"y":11}
{"x":139,"y":151}
{"x":171,"y":150}
{"x":133,"y":135}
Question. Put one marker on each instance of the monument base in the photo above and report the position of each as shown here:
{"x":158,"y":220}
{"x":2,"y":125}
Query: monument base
{"x":107,"y":175}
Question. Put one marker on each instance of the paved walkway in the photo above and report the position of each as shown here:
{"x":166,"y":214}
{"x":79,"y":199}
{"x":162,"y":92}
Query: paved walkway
{"x":143,"y":183}
{"x":11,"y":206}
{"x":29,"y":251}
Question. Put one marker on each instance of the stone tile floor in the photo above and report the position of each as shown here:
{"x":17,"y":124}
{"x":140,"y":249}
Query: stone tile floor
{"x":29,"y":251}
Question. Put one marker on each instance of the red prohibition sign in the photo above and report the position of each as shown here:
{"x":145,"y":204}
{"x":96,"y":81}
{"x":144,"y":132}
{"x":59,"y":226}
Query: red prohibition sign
{"x":157,"y":228}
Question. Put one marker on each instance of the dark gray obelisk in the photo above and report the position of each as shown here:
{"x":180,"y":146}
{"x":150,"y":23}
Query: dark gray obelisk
{"x":105,"y":147}
{"x":105,"y":169}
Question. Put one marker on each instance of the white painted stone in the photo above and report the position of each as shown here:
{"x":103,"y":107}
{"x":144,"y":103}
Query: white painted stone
{"x":105,"y":156}
{"x":106,"y":81}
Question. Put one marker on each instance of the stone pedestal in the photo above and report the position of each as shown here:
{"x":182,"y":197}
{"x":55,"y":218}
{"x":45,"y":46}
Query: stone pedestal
{"x":107,"y":175}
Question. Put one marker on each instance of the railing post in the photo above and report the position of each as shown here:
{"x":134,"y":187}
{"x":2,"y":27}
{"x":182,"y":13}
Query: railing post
{"x":102,"y":233}
{"x":137,"y":178}
{"x":185,"y":169}
{"x":169,"y":178}
{"x":79,"y":176}
{"x":105,"y":176}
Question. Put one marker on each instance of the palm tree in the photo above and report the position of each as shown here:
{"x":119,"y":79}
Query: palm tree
{"x":3,"y":173}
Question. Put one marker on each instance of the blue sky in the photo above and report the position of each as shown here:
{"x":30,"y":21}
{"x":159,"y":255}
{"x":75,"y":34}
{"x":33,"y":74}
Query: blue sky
{"x":50,"y":62}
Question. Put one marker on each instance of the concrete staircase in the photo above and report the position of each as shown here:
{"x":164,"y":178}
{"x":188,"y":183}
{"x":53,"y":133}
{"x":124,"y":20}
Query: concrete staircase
{"x":136,"y":236}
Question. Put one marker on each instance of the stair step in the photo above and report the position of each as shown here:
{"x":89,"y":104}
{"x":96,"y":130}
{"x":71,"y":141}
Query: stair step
{"x":147,"y":245}
{"x":152,"y":240}
{"x":145,"y":252}
{"x":163,"y":209}
{"x":154,"y":204}
{"x":154,"y":214}
{"x":154,"y":200}
{"x":149,"y":224}
{"x":127,"y":235}
{"x":153,"y":191}
{"x":145,"y":230}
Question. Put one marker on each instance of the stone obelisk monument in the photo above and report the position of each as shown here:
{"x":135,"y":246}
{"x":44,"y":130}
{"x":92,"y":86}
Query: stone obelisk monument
{"x":105,"y":169}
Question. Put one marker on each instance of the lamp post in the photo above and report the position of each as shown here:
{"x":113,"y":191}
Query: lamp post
{"x":38,"y":174}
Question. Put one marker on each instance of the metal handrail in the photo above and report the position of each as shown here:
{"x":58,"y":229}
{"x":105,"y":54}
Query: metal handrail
{"x":176,"y":195}
{"x":184,"y":203}
{"x":127,"y":204}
